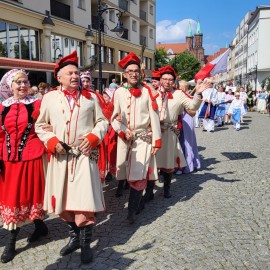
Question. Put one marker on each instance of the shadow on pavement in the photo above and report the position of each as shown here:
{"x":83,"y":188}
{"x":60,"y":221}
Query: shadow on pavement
{"x":238,"y":155}
{"x":112,"y":231}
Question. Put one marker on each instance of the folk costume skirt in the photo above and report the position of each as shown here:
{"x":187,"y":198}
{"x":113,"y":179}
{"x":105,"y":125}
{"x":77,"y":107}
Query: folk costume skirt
{"x":21,"y":192}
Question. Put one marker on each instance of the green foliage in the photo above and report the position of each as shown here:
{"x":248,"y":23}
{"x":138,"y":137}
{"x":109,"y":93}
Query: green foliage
{"x":266,"y":83}
{"x":3,"y":49}
{"x":161,"y":58}
{"x":24,"y":49}
{"x":186,"y":65}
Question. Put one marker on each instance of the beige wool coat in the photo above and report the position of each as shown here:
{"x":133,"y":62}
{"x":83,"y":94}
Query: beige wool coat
{"x":170,"y":156}
{"x":72,"y":184}
{"x":138,"y":115}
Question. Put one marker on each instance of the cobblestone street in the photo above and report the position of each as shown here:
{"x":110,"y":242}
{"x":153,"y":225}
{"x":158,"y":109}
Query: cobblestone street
{"x":218,"y":218}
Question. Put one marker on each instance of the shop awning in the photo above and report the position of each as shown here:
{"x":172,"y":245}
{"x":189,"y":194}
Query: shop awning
{"x":9,"y":63}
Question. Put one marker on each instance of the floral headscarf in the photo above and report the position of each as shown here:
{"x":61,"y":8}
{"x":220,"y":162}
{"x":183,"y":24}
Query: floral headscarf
{"x":6,"y":81}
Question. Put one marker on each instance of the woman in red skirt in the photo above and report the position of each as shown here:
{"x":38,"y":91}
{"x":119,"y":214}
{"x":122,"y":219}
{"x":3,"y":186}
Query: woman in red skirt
{"x":21,"y":151}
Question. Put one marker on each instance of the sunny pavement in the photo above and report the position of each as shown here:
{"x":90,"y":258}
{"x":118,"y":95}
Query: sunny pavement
{"x":218,"y":218}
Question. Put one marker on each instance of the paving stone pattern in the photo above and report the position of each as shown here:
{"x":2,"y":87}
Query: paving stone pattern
{"x":218,"y":218}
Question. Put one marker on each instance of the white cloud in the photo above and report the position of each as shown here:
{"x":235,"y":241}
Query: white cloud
{"x":168,"y":31}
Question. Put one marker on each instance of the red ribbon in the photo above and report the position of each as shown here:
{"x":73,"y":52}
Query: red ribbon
{"x":136,"y":92}
{"x":73,"y":94}
{"x":169,"y":95}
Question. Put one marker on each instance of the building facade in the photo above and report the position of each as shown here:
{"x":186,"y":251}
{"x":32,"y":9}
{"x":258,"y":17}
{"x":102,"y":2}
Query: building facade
{"x":33,"y":31}
{"x":249,"y":60}
{"x":258,"y":53}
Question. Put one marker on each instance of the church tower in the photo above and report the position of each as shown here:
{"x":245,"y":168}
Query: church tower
{"x":189,"y":39}
{"x":198,"y":48}
{"x":198,"y":36}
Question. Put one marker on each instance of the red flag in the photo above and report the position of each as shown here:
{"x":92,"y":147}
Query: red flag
{"x":218,"y":65}
{"x":204,"y":72}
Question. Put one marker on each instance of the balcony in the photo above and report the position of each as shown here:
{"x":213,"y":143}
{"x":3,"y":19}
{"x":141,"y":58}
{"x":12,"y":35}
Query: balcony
{"x":143,"y":15}
{"x":60,"y":10}
{"x":123,"y":4}
{"x":142,"y":40}
{"x":125,"y":35}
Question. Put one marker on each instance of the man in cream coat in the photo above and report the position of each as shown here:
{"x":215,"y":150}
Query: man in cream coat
{"x":73,"y":187}
{"x":135,"y":118}
{"x":171,"y":104}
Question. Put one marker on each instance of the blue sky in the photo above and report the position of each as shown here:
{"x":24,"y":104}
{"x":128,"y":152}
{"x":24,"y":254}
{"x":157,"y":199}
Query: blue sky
{"x":218,"y":19}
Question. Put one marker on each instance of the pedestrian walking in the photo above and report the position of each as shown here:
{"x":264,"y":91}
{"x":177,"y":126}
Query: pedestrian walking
{"x":22,"y":171}
{"x":73,"y":188}
{"x":113,"y":85}
{"x":237,"y":110}
{"x":171,"y":103}
{"x":139,"y":135}
{"x":262,"y":99}
{"x":221,"y":107}
{"x":208,"y":110}
{"x":188,"y":137}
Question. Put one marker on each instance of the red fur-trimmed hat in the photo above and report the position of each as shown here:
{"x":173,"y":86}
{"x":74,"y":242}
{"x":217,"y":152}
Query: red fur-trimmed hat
{"x":71,"y":59}
{"x":156,"y":75}
{"x":168,"y":70}
{"x":130,"y":59}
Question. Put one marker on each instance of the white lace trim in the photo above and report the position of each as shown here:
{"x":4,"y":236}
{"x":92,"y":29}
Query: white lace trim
{"x":27,"y":100}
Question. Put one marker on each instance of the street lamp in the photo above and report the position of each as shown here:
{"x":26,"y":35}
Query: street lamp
{"x":119,"y":30}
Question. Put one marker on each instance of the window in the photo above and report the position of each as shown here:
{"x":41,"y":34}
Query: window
{"x":110,"y":55}
{"x":18,"y":42}
{"x":134,"y":26}
{"x":93,"y":50}
{"x":112,"y":15}
{"x":66,"y":42}
{"x":14,"y":46}
{"x":63,"y":46}
{"x":149,"y":63}
{"x":151,"y":35}
{"x":3,"y":40}
{"x":119,"y":56}
{"x":151,"y":10}
{"x":102,"y":54}
{"x":134,"y":1}
{"x":81,"y":4}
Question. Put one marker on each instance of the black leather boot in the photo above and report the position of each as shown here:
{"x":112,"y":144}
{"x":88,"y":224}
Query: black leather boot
{"x":167,"y":185}
{"x":119,"y":191}
{"x":86,"y":251}
{"x":149,"y":192}
{"x":74,"y":240}
{"x":148,"y":196}
{"x":9,"y":251}
{"x":126,"y":186}
{"x":133,"y":204}
{"x":40,"y":230}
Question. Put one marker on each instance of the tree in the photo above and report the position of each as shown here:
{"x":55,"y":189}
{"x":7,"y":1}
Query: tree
{"x":161,"y":58}
{"x":266,"y":83}
{"x":3,"y":49}
{"x":186,"y":65}
{"x":24,"y":49}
